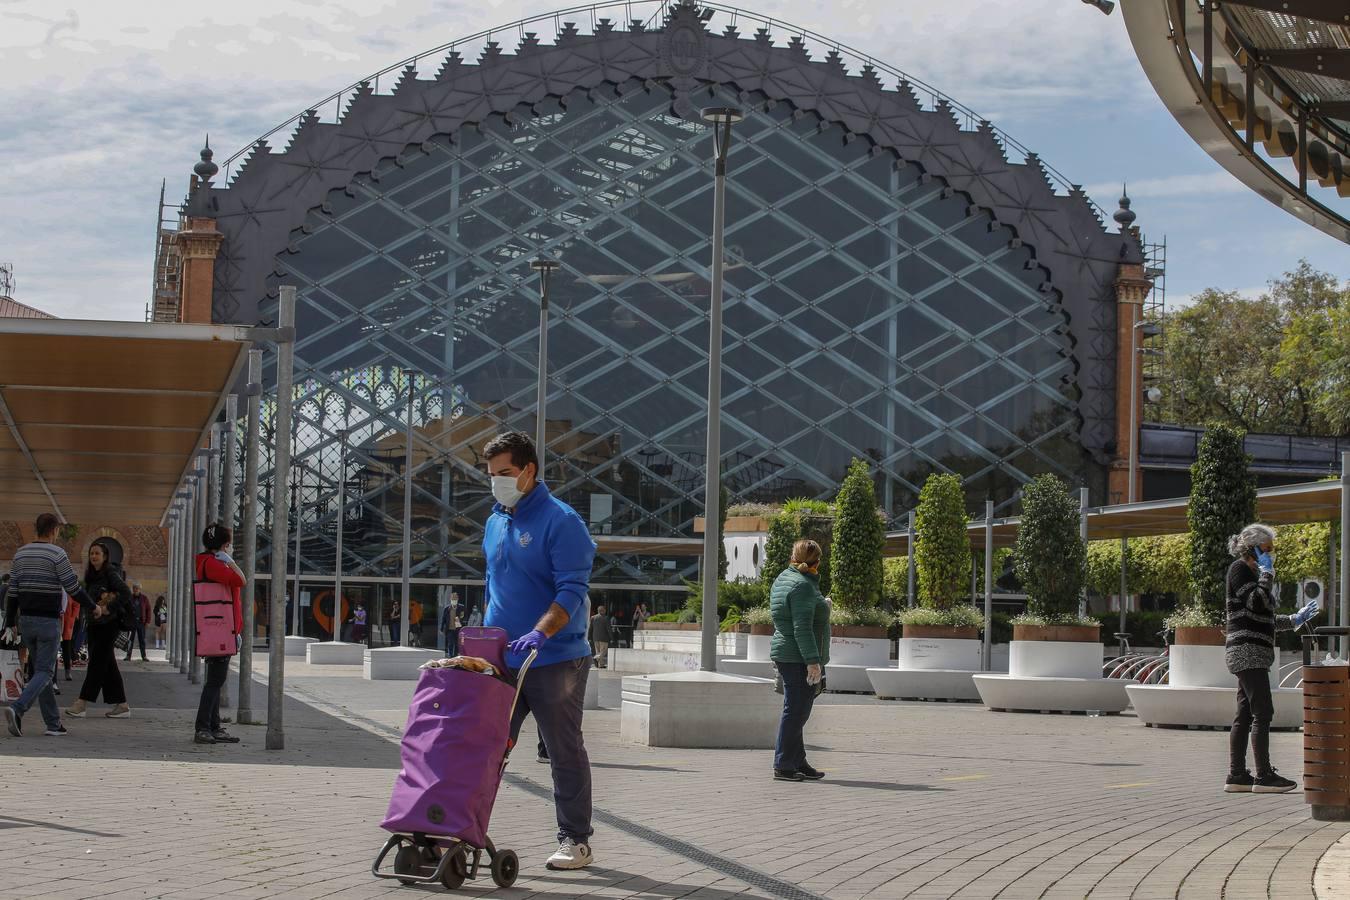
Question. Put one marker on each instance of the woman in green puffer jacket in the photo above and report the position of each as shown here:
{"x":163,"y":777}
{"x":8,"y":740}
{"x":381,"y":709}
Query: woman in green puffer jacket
{"x":800,"y":649}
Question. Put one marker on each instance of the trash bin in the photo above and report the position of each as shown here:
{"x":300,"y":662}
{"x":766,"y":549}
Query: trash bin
{"x":1326,"y":731}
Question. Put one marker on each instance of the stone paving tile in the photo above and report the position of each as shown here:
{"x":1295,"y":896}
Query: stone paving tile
{"x":923,"y":800}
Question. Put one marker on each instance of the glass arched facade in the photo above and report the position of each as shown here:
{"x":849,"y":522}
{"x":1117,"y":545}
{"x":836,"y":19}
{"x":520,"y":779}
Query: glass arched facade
{"x":904,"y":285}
{"x":868,"y":314}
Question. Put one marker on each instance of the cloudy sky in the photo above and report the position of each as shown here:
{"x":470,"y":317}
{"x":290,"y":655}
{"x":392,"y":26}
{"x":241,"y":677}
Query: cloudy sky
{"x":102,"y":100}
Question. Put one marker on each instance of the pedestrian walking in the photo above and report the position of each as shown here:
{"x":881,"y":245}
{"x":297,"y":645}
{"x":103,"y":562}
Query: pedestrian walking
{"x":539,"y":556}
{"x":395,"y":620}
{"x":640,"y":617}
{"x":140,"y":617}
{"x":215,"y":564}
{"x":600,"y":634}
{"x":104,"y":581}
{"x":450,"y":625}
{"x":1249,"y":650}
{"x":476,"y":617}
{"x":359,"y":624}
{"x":39,"y":573}
{"x":800,"y":649}
{"x":161,"y":621}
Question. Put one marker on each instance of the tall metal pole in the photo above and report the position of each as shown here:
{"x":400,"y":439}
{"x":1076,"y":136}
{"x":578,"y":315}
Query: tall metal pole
{"x":213,"y":474}
{"x":185,"y":625}
{"x":298,"y":485}
{"x":1135,"y":388}
{"x":249,"y":545}
{"x":229,"y":475}
{"x":545,"y":268}
{"x":341,"y":522}
{"x":911,"y":598}
{"x":194,"y":538}
{"x":988,"y":647}
{"x":276,"y":640}
{"x":1082,"y":536}
{"x":721,"y":120}
{"x":171,"y":645}
{"x":1344,"y":592}
{"x":405,"y":610}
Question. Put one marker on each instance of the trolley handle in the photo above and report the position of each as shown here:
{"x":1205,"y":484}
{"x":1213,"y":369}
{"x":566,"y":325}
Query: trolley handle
{"x":1310,"y":638}
{"x":520,"y":682}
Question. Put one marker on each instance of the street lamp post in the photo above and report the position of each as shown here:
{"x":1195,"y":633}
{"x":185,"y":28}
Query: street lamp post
{"x":721,"y":119}
{"x":1136,"y":389}
{"x":405,"y":610}
{"x":545,"y":267}
{"x":341,"y":520}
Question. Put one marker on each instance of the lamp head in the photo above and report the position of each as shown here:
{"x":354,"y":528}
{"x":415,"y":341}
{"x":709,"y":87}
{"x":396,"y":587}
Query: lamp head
{"x":1153,"y":395}
{"x":544,"y":264}
{"x":1106,"y":6}
{"x":722,"y":115}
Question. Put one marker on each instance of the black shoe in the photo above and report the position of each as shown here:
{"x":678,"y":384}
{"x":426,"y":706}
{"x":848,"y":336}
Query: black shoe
{"x":203,"y":737}
{"x":224,"y":737}
{"x":56,"y":690}
{"x":810,"y":774}
{"x":1240,"y":783}
{"x":1273,"y":784}
{"x":786,"y":775}
{"x":58,"y":731}
{"x":14,"y":722}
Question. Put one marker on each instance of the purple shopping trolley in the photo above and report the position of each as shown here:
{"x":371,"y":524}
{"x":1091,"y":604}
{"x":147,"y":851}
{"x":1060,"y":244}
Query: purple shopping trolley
{"x":454,"y":752}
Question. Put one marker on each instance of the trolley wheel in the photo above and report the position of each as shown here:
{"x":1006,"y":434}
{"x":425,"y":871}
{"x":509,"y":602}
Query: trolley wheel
{"x":456,"y":869}
{"x":505,"y":868}
{"x":408,"y":861}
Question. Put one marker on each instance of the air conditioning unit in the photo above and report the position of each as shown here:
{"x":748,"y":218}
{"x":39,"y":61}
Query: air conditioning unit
{"x":1310,"y":589}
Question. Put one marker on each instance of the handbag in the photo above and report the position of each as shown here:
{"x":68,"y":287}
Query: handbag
{"x":123,"y":640}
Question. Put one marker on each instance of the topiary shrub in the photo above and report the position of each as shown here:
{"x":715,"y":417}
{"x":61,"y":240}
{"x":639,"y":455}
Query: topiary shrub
{"x":1050,"y":557}
{"x":942,"y":546}
{"x":783,"y":532}
{"x":723,"y":563}
{"x":1222,"y":503}
{"x":857,"y":541}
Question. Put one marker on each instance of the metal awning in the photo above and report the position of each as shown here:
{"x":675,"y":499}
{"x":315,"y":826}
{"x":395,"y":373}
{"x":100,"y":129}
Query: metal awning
{"x":99,"y":421}
{"x":1317,"y":501}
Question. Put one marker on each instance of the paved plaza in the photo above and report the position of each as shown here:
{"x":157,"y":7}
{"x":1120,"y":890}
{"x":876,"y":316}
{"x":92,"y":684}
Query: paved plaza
{"x":922,"y":800}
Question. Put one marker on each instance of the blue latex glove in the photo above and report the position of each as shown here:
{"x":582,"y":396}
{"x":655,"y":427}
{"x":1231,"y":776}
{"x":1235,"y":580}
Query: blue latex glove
{"x":1306,"y":613}
{"x":525,"y":643}
{"x":1264,"y":562}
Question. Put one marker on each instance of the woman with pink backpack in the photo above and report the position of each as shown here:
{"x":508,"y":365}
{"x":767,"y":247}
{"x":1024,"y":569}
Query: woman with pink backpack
{"x":214,"y":564}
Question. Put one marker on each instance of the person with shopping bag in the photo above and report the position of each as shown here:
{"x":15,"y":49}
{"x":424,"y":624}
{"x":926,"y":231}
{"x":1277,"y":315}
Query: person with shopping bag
{"x":215,"y":565}
{"x":800,"y":650}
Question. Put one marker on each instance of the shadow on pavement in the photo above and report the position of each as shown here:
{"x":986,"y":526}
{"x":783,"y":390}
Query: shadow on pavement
{"x":882,"y":785}
{"x":163,"y":708}
{"x":596,"y":880}
{"x":634,"y":768}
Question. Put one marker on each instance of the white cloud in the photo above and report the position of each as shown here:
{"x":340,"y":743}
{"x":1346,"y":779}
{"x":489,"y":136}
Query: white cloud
{"x":104,"y":99}
{"x":1173,"y":186}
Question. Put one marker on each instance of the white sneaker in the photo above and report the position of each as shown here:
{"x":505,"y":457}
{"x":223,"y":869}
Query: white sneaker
{"x":571,"y":855}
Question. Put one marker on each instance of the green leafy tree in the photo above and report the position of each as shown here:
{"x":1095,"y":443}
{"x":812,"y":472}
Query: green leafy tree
{"x":784,"y":530}
{"x":1050,"y":558}
{"x":1223,"y":502}
{"x":1276,"y":363}
{"x":857,"y":541}
{"x":895,"y":580}
{"x":942,"y":546}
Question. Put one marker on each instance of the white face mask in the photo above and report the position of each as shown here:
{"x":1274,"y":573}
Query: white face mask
{"x":505,"y":491}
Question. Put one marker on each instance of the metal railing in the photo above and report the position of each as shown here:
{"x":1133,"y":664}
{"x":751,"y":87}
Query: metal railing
{"x":650,"y":13}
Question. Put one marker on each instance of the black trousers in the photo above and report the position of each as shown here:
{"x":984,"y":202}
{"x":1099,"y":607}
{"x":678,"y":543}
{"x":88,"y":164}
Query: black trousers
{"x":102,"y":674}
{"x":137,"y":633}
{"x":1255,"y":709}
{"x":208,"y":708}
{"x":67,"y":654}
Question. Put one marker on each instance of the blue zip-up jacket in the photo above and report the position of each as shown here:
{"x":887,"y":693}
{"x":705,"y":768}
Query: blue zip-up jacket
{"x":538,"y":554}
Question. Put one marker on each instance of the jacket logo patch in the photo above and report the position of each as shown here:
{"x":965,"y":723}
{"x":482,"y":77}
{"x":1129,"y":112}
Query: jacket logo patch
{"x":525,"y":539}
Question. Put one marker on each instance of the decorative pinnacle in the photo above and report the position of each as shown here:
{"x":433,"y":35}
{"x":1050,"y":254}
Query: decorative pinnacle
{"x":1124,"y":216}
{"x":206,"y":170}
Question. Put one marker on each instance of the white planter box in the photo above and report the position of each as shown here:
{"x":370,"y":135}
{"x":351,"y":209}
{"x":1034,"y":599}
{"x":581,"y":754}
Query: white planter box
{"x":757,"y":647}
{"x":850,"y":651}
{"x":592,"y":698}
{"x":296,"y":646}
{"x":939,"y":653}
{"x":335,"y":653}
{"x":1055,"y":659}
{"x":1210,"y":707}
{"x":1030,"y":694}
{"x":397,"y":663}
{"x":924,"y":684}
{"x":700,"y":709}
{"x":728,"y":643}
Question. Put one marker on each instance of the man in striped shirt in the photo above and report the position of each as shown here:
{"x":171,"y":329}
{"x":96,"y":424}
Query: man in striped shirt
{"x":38,"y":575}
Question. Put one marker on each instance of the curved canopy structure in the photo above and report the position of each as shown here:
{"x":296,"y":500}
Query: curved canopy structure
{"x":1264,"y":87}
{"x":899,"y":288}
